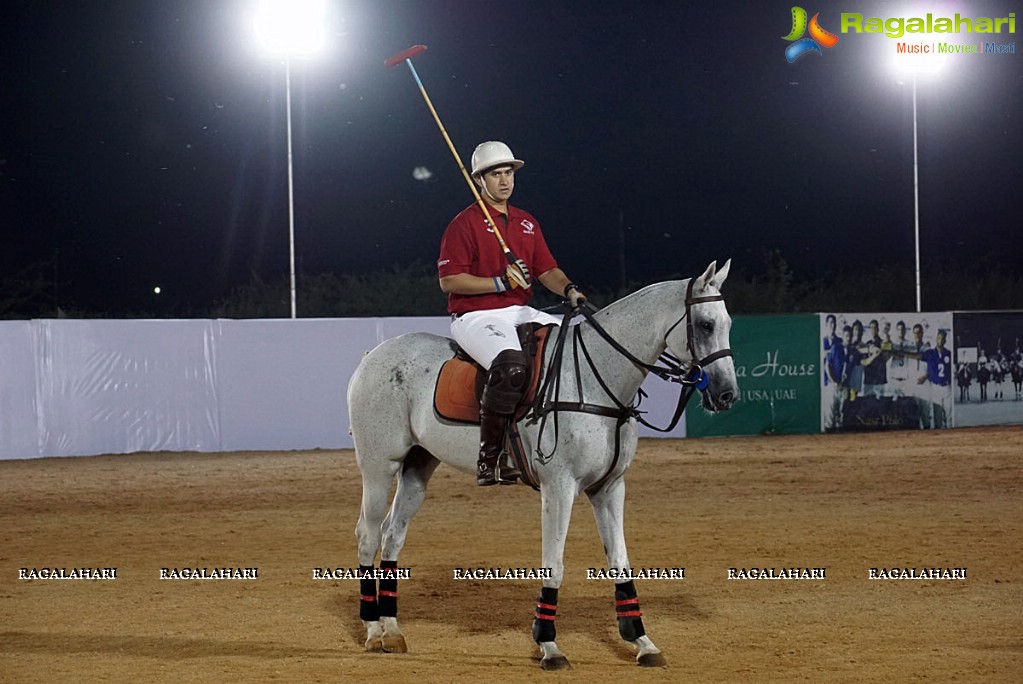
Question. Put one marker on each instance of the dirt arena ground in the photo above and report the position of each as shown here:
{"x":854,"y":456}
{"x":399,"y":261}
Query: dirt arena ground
{"x":847,"y":503}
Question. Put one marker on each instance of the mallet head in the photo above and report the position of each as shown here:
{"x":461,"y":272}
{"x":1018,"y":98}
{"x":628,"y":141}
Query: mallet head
{"x":405,"y":54}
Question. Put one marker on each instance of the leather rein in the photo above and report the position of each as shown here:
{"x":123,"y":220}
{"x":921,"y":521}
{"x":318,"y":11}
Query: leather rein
{"x":691,"y":377}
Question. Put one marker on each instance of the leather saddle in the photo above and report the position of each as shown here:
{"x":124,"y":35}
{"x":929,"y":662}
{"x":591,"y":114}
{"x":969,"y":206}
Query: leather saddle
{"x":456,"y":396}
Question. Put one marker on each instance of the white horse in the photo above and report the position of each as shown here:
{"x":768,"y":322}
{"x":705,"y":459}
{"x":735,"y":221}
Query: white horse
{"x":397,"y":433}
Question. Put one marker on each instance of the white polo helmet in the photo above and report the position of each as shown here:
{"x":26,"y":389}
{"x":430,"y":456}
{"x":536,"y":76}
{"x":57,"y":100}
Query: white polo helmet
{"x":493,"y":153}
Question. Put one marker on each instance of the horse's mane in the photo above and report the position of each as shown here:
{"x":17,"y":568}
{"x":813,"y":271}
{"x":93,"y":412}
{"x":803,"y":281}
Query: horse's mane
{"x":642,"y":292}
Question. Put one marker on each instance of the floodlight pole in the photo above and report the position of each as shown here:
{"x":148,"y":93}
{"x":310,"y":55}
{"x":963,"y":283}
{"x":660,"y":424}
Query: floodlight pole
{"x":291,"y":186}
{"x":290,"y":27}
{"x":916,"y":199}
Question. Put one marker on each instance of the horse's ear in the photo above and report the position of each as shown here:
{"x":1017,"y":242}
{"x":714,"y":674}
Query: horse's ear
{"x":708,"y":275}
{"x":720,"y":276}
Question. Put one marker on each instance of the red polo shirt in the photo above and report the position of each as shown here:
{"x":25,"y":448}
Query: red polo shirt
{"x":469,"y":246}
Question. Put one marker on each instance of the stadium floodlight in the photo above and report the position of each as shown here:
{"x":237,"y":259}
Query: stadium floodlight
{"x":914,"y":66}
{"x":290,"y":29}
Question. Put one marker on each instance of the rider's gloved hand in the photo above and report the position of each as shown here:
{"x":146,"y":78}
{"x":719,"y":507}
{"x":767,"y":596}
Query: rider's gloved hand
{"x":574,"y":296}
{"x":517,"y":274}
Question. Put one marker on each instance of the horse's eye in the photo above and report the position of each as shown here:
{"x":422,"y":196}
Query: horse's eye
{"x":707,"y":326}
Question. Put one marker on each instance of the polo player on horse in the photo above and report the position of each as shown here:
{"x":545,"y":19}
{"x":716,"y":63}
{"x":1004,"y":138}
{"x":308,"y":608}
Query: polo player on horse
{"x":488,"y":292}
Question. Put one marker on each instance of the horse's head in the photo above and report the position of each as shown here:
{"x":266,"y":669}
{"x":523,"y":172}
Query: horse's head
{"x":703,"y":340}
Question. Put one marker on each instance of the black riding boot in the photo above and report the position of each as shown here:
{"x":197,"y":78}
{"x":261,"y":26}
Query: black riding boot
{"x":488,"y":465}
{"x":506,"y":382}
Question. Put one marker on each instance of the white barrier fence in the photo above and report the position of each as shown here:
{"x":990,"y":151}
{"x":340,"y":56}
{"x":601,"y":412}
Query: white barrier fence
{"x":84,"y":387}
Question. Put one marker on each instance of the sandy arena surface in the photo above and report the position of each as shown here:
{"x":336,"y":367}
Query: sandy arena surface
{"x":848,"y":503}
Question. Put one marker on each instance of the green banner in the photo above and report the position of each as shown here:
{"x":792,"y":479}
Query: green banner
{"x":777,"y":362}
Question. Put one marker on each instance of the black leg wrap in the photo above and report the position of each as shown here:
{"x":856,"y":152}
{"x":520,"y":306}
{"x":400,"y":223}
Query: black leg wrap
{"x":368,"y":608}
{"x":546,"y":611}
{"x":388,"y":589}
{"x":630,"y":618}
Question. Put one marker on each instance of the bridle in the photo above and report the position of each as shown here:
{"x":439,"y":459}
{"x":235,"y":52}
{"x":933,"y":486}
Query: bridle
{"x":691,"y":376}
{"x":690,"y":301}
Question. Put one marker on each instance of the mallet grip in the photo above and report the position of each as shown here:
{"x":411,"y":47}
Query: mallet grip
{"x":405,"y":54}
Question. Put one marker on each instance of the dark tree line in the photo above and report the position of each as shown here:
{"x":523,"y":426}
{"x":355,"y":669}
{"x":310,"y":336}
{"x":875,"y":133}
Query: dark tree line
{"x":770,"y":287}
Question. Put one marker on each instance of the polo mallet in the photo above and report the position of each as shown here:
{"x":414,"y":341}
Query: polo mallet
{"x":406,"y":56}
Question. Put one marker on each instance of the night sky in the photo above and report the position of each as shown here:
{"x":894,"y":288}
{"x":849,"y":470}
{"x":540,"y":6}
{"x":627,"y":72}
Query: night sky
{"x":143,"y":143}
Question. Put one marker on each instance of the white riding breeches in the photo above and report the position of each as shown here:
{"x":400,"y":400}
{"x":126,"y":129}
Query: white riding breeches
{"x":485,"y":334}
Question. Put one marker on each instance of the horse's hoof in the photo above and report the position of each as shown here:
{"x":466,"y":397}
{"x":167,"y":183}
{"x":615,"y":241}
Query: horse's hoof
{"x":374,"y":645}
{"x":558,"y":662}
{"x":652,"y":660}
{"x":393,"y":643}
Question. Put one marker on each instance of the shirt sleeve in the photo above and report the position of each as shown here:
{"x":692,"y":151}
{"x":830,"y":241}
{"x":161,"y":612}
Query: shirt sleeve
{"x":457,"y":248}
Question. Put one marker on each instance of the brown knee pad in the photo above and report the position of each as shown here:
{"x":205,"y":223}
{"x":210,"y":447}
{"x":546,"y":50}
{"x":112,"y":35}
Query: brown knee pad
{"x":507,"y":380}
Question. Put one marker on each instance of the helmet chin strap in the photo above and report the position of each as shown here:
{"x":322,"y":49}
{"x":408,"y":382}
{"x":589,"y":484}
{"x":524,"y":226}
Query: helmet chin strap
{"x":486,"y":190}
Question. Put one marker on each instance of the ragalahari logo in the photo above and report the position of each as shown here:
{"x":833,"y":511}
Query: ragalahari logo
{"x":818,"y":36}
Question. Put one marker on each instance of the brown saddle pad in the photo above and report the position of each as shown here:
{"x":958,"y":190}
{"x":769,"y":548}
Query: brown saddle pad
{"x":456,"y":396}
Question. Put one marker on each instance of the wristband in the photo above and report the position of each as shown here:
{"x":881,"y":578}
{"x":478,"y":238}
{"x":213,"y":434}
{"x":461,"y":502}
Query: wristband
{"x":499,"y":284}
{"x":570,"y":286}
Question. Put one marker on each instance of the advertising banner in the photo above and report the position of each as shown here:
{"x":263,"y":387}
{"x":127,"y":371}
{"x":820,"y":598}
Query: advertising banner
{"x":989,"y":368}
{"x":886,"y":371}
{"x":778,"y":370}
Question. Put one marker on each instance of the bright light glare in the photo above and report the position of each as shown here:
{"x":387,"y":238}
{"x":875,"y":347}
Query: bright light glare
{"x":919,"y":64}
{"x":291,"y":27}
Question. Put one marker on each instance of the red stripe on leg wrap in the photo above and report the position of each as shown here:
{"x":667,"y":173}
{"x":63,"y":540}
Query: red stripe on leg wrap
{"x":541,"y":616}
{"x":630,"y":613}
{"x":547,"y":606}
{"x":368,"y":598}
{"x":628,"y":601}
{"x":389,"y":593}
